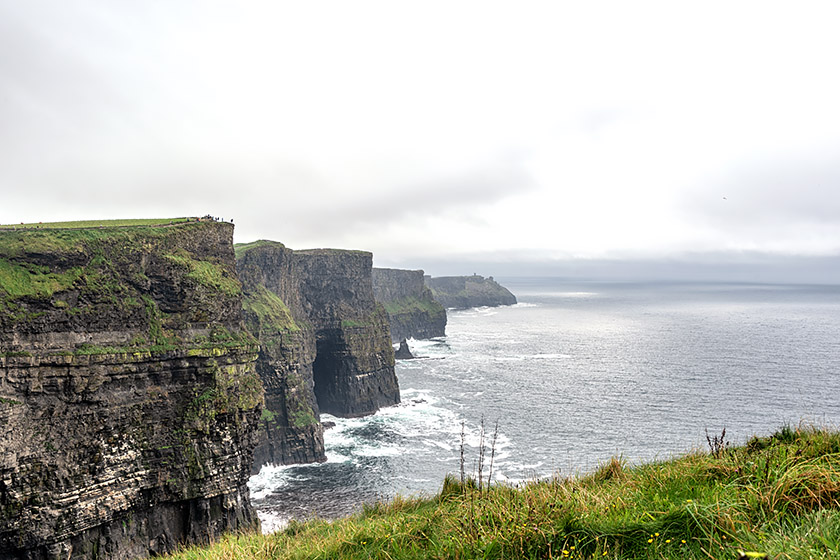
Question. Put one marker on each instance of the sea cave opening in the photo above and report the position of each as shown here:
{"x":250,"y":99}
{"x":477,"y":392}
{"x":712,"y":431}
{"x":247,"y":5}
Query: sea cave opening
{"x":324,"y":370}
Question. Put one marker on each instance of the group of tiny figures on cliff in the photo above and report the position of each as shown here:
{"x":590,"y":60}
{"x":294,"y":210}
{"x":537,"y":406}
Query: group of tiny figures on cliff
{"x":209,"y":218}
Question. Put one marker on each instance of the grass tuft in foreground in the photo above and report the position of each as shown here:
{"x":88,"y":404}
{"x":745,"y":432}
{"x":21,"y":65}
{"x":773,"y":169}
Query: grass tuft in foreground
{"x":778,"y":495}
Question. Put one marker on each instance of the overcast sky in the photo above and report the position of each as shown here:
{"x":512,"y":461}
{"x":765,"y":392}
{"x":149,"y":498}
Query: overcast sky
{"x":429,"y":132}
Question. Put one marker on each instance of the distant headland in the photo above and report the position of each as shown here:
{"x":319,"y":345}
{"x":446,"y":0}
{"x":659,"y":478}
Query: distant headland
{"x":461,"y":292}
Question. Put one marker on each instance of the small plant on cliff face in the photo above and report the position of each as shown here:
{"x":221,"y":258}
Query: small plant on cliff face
{"x":267,"y":415}
{"x":302,"y":418}
{"x":16,"y":354}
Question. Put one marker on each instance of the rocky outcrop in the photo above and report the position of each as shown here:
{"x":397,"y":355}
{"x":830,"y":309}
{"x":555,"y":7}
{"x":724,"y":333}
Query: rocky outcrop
{"x":129,"y":401}
{"x":403,"y":352}
{"x":324,"y":343}
{"x":412,"y":311}
{"x":462,"y":292}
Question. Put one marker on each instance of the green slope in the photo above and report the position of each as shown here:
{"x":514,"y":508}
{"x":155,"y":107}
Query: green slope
{"x":776,"y":495}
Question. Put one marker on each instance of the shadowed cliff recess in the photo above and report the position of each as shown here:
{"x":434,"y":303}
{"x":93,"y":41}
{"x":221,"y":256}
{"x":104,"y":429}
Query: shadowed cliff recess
{"x":129,"y":400}
{"x":324,"y":343}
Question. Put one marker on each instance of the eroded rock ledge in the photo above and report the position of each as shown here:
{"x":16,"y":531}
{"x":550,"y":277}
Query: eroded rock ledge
{"x":412,"y":311}
{"x":324,"y":343}
{"x":129,"y":401}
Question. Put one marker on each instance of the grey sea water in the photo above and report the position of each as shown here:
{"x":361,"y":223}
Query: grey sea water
{"x":574,"y":374}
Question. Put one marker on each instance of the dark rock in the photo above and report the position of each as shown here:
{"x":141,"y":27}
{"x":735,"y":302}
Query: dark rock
{"x":412,"y":311}
{"x":403,"y":353}
{"x":324,"y":344}
{"x":289,"y":428}
{"x":462,"y":292}
{"x":129,"y":400}
{"x":354,"y":366}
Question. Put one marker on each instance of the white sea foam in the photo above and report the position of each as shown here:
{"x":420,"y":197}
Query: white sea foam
{"x":475,"y":312}
{"x":269,"y":478}
{"x":335,"y":457}
{"x":379,"y":451}
{"x":271,"y":521}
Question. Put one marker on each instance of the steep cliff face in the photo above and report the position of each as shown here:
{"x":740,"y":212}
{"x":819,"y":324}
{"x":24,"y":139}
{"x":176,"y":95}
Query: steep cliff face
{"x":412,"y":311}
{"x":290,"y":431}
{"x":354,"y":366}
{"x":129,"y":400}
{"x":323,"y":343}
{"x":462,"y":292}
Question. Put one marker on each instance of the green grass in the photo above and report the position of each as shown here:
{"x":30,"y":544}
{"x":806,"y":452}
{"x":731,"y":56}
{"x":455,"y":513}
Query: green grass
{"x":82,"y":269}
{"x":206,"y":273}
{"x":414,"y":305}
{"x":75,"y":238}
{"x":241,"y":248}
{"x":21,"y":280}
{"x":98,"y":223}
{"x":266,"y":313}
{"x":777,"y":495}
{"x":94,"y":254}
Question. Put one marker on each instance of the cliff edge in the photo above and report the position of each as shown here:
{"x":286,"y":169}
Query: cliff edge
{"x":129,"y":400}
{"x":412,"y":311}
{"x":462,"y":292}
{"x":324,"y":343}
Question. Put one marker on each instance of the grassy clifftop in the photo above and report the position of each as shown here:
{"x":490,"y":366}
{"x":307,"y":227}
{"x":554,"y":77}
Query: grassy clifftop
{"x":98,"y":223}
{"x":778,"y":495}
{"x":117,"y":284}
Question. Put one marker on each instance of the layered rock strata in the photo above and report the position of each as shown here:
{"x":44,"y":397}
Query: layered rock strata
{"x":412,"y":311}
{"x":462,"y":292}
{"x":129,"y":400}
{"x":324,"y":343}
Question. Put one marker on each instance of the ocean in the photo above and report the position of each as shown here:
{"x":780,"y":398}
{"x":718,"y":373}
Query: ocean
{"x":573,"y":374}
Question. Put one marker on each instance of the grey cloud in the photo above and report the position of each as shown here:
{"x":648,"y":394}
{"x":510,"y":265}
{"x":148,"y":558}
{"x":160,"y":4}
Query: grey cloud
{"x":282,"y":200}
{"x":50,"y":86}
{"x":415,"y":200}
{"x":771,"y":194}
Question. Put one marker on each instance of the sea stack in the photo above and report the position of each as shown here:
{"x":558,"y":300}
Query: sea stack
{"x":404,"y":352}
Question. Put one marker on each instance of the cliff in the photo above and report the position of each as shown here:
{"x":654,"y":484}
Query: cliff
{"x":129,"y":400}
{"x":469,"y":291}
{"x":324,"y":343}
{"x":412,"y":311}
